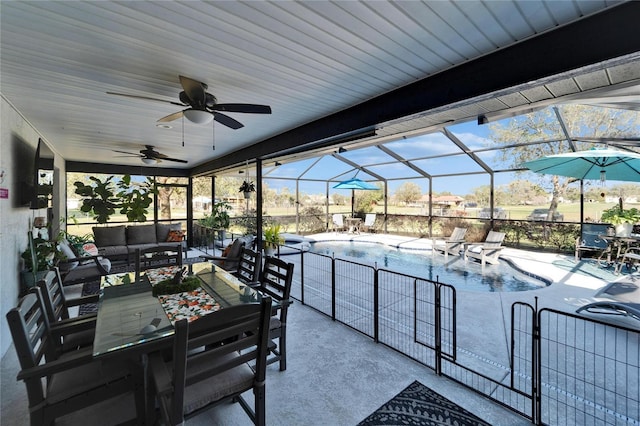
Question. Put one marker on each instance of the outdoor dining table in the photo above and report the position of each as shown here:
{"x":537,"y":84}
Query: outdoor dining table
{"x":130,"y":319}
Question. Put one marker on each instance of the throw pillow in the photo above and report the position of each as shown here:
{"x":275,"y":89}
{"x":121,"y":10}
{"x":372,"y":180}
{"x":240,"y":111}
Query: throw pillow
{"x":89,"y":249}
{"x":175,"y":236}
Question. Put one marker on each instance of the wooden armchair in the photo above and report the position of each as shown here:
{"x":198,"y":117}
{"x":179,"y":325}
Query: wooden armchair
{"x":157,"y":257}
{"x":58,"y":385}
{"x":76,"y":332}
{"x":488,"y":251}
{"x":250,"y":266}
{"x":204,"y":373}
{"x":452,"y":244}
{"x":275,"y":281}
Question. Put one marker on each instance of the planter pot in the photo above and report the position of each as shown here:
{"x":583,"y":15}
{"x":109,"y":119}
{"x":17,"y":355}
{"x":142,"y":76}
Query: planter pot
{"x":247,"y":195}
{"x":28,"y":281}
{"x":269,"y":251}
{"x":624,"y":229}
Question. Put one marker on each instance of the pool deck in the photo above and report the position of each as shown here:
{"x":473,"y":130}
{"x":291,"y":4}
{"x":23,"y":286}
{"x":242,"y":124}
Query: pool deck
{"x":572,"y":285}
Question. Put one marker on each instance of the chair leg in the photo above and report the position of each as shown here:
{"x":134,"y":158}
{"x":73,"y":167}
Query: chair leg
{"x":282,"y":348}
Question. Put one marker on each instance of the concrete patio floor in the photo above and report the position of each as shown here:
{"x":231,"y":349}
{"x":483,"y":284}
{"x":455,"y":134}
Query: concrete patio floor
{"x":337,"y":376}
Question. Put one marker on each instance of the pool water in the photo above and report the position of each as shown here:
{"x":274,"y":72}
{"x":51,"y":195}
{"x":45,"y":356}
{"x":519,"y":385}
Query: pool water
{"x":455,"y":271}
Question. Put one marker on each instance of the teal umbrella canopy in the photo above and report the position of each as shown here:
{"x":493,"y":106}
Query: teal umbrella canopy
{"x":356,"y":184}
{"x":598,"y":164}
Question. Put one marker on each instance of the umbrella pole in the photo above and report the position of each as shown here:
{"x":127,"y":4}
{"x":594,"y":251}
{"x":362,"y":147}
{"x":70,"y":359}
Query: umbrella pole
{"x":353,"y":194}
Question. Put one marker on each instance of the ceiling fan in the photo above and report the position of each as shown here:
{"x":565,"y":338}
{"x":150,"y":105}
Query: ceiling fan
{"x":151,"y":156}
{"x":203,"y":106}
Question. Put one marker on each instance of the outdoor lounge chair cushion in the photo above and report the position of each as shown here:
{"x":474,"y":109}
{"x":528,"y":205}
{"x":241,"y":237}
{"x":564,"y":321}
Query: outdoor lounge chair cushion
{"x":141,"y":234}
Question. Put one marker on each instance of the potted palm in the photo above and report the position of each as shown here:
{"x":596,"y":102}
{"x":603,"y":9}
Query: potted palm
{"x":622,"y":219}
{"x":272,"y":239}
{"x":247,"y":188}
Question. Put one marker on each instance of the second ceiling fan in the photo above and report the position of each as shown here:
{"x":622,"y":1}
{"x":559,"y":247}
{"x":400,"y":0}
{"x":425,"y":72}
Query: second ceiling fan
{"x":203,"y":106}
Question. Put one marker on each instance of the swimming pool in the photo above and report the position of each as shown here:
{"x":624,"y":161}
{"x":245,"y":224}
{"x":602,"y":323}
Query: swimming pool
{"x":462,"y":275}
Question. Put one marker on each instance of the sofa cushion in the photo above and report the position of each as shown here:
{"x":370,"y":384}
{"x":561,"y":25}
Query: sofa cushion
{"x":114,"y":251}
{"x":141,"y":234}
{"x":162,"y":230}
{"x":109,"y":236}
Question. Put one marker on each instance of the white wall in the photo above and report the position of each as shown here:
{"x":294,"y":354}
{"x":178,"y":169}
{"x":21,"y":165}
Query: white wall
{"x":15,"y":221}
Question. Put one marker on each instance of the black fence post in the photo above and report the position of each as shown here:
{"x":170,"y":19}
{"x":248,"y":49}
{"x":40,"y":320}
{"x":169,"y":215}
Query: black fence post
{"x":438,"y":325}
{"x":376,"y":307}
{"x":302,"y":276}
{"x":333,"y":287}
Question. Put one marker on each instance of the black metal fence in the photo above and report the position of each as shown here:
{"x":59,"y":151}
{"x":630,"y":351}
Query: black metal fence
{"x":563,"y":368}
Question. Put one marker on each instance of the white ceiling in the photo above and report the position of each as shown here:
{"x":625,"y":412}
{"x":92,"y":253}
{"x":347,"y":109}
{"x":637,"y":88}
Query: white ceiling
{"x":307,"y":60}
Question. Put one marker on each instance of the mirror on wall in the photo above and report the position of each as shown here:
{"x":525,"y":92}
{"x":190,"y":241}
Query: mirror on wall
{"x":43,"y":177}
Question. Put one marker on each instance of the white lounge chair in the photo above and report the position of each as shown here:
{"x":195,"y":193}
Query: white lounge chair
{"x":488,"y":251}
{"x":369,"y":221}
{"x":338,"y":222}
{"x":452,"y":244}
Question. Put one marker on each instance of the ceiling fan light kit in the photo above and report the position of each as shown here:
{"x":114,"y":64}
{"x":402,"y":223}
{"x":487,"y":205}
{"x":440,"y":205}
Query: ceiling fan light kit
{"x":203,"y":107}
{"x":149,"y":161}
{"x":198,"y":116}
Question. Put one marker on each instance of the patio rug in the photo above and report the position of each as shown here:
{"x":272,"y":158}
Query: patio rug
{"x":419,"y":405}
{"x":93,"y":287}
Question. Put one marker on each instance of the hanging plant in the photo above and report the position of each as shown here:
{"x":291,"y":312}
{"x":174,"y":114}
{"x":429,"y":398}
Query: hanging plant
{"x":247,"y":187}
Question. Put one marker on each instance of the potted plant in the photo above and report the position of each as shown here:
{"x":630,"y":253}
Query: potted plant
{"x":272,"y":239}
{"x":247,"y":188}
{"x":621,"y":219}
{"x":218,"y":219}
{"x":38,"y":258}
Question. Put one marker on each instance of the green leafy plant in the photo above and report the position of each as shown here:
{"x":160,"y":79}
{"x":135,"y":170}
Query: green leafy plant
{"x":247,"y":187}
{"x":218,"y":218}
{"x":272,"y":236}
{"x":135,"y":200}
{"x":616,"y":215}
{"x":98,"y":199}
{"x":101,"y":200}
{"x":173,"y":286}
{"x":45,"y":255}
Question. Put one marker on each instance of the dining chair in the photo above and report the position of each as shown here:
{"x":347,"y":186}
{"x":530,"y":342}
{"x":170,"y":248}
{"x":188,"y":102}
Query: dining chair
{"x":275,"y":281}
{"x":75,"y":332}
{"x":203,"y":373}
{"x":58,"y":384}
{"x":159,"y":256}
{"x":250,"y":266}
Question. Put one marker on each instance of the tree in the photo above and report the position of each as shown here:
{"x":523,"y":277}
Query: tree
{"x":543,"y":127}
{"x":408,"y":192}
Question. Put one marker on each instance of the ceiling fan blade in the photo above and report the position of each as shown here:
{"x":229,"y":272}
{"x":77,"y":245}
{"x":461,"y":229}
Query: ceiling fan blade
{"x":227,"y":121}
{"x":145,"y":98}
{"x":248,"y":108}
{"x":171,"y":117}
{"x":177,"y":160}
{"x":132,"y":154}
{"x":195,"y":90}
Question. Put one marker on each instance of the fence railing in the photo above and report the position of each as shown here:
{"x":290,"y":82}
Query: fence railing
{"x":563,"y":368}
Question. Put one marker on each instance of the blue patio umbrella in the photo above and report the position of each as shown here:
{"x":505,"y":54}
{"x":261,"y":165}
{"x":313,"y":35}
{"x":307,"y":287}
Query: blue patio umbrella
{"x":354,"y":184}
{"x":594,"y":164}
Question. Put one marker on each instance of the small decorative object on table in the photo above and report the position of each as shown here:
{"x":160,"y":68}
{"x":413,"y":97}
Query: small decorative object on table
{"x":177,"y":284}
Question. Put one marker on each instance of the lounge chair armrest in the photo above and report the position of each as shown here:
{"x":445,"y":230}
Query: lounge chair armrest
{"x":83,"y":260}
{"x":74,"y":359}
